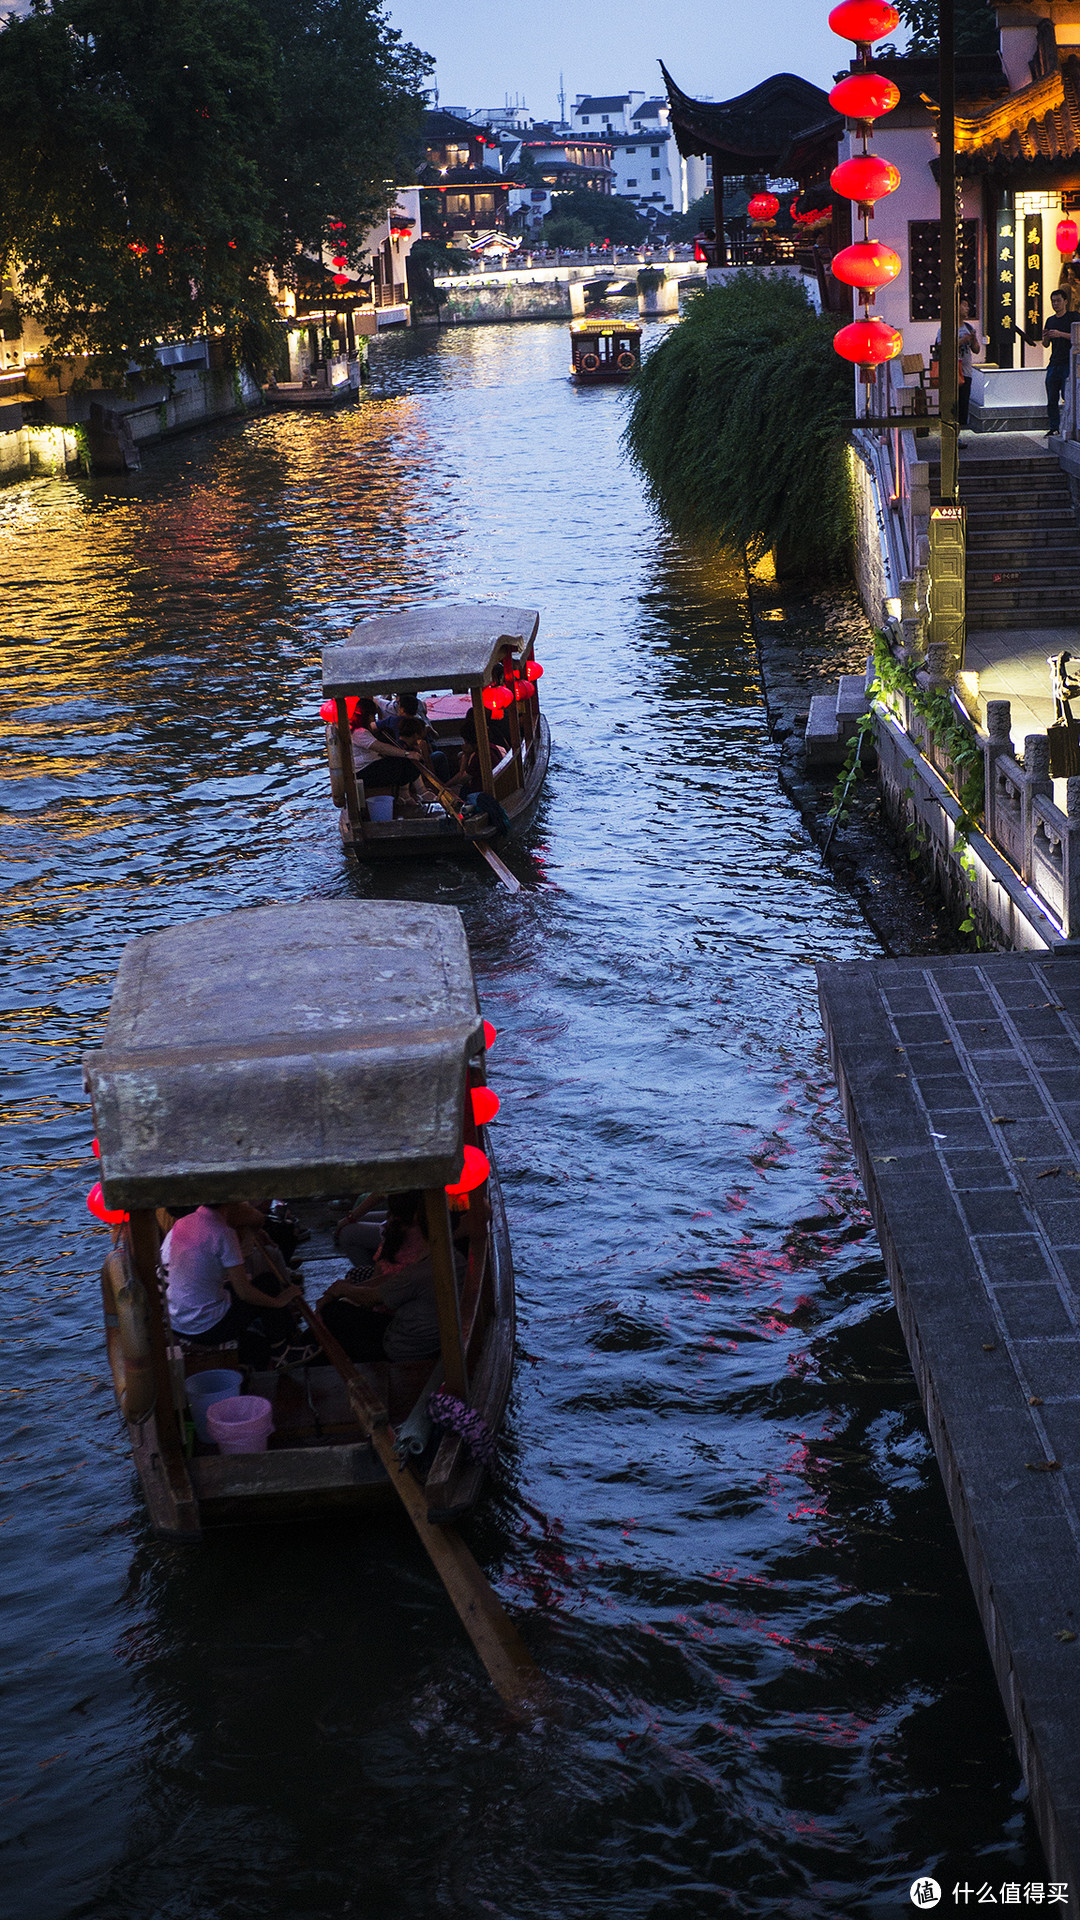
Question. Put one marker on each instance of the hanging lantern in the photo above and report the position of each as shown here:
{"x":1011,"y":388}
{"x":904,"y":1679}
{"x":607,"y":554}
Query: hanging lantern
{"x":485,"y":1104}
{"x":497,"y":699}
{"x":524,"y":690}
{"x":533,"y":670}
{"x":96,"y":1149}
{"x":865,"y":178}
{"x":869,"y":264}
{"x":490,"y":1035}
{"x":763,"y":206}
{"x":868,"y":343}
{"x":328,"y":712}
{"x":341,"y":280}
{"x":1067,"y":236}
{"x":863,"y":20}
{"x":864,"y":96}
{"x":473,"y":1174}
{"x":95,"y":1201}
{"x":340,"y":261}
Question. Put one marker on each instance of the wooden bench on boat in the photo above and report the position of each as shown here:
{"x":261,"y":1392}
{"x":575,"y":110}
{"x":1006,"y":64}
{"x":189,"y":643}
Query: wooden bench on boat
{"x":303,"y":1051}
{"x":457,"y":652}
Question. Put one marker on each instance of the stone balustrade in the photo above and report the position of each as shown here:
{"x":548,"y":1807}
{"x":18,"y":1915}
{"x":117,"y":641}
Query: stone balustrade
{"x":1024,"y":823}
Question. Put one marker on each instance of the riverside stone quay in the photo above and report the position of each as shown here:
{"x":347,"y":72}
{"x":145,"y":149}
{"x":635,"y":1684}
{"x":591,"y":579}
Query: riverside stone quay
{"x":960,"y":1078}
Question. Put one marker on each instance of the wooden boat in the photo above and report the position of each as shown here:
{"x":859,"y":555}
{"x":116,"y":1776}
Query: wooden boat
{"x":304,"y":1051}
{"x":459,"y":652}
{"x":317,"y":394}
{"x":604,"y":350}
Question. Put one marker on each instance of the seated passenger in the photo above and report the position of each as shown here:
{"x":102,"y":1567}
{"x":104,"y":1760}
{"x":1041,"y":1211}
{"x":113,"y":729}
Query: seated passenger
{"x":359,"y":1232}
{"x":213,"y":1299}
{"x":391,"y":1316}
{"x":381,"y":767}
{"x":415,"y":736}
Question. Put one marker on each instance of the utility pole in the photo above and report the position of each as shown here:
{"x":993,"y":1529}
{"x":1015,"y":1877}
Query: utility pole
{"x":562,"y":102}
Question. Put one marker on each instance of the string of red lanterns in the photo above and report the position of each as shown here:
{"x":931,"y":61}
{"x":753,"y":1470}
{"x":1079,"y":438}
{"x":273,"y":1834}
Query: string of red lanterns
{"x":866,"y":178}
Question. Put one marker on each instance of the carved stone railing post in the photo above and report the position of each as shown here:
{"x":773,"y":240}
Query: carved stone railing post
{"x":996,"y":746}
{"x":1036,"y":784}
{"x":1071,"y":845}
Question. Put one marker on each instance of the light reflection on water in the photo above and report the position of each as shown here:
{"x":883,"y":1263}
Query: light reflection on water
{"x":716,"y":1501}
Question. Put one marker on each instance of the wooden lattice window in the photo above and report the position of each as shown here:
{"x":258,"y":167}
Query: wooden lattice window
{"x":924,"y":268}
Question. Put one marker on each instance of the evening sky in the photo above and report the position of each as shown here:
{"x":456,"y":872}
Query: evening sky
{"x":486,"y":49}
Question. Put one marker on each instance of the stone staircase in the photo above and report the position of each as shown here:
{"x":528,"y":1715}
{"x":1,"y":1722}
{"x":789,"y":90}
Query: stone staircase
{"x":833,"y":721}
{"x":1023,"y":543}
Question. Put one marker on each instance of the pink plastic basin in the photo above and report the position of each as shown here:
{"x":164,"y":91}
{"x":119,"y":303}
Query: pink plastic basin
{"x":241,"y":1425}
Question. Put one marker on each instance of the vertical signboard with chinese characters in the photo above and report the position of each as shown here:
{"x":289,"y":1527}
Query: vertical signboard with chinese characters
{"x":1003,"y":315}
{"x":947,"y":585}
{"x":1033,"y":273}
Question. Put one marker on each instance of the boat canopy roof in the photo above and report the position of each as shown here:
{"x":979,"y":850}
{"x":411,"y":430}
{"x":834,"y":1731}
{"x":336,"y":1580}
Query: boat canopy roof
{"x":604,"y":326}
{"x":452,"y":648}
{"x":288,"y":1050}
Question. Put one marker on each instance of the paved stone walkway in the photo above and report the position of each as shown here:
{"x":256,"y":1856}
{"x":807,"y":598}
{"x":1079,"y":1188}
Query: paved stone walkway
{"x":961,"y":1083}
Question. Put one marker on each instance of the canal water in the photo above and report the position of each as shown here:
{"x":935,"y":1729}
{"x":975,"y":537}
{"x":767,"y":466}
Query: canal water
{"x":716,"y":1506}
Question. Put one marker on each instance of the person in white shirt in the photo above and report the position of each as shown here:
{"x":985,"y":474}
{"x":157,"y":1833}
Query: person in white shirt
{"x":212,"y":1297}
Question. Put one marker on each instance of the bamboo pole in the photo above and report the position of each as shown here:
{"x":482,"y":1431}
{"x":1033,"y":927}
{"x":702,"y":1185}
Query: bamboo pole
{"x":508,"y":1661}
{"x":447,"y":1303}
{"x":483,"y":744}
{"x":348,"y":768}
{"x":949,"y":281}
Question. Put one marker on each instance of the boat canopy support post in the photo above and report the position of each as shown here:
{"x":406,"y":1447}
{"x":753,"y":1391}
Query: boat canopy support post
{"x":144,"y":1242}
{"x":348,"y":767}
{"x":515,"y":743}
{"x":447,"y":1303}
{"x":483,"y":744}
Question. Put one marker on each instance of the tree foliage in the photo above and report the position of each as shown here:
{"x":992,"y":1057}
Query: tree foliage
{"x":158,"y":155}
{"x":737,"y":423}
{"x":975,"y":28}
{"x":595,"y":216}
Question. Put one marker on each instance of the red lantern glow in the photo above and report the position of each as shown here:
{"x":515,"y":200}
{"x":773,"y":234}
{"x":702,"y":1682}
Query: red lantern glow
{"x":490,"y":1035}
{"x":473,"y":1174}
{"x":485,"y":1105}
{"x":497,"y":699}
{"x":1067,"y":236}
{"x":868,"y":343}
{"x":867,"y":264}
{"x":341,"y":280}
{"x":524,"y":690}
{"x":533,"y":670}
{"x":97,"y":1149}
{"x":95,"y":1201}
{"x":866,"y":178}
{"x":763,"y":206}
{"x":328,"y":712}
{"x":340,"y":260}
{"x":862,"y":20}
{"x":864,"y":96}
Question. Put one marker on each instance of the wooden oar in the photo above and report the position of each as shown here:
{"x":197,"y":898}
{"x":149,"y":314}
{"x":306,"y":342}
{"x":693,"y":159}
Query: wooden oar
{"x":498,"y":867}
{"x":509,"y":1663}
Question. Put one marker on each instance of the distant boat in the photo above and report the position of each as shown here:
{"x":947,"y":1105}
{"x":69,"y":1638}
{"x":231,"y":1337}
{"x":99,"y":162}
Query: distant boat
{"x":604,"y":350}
{"x":317,"y":392}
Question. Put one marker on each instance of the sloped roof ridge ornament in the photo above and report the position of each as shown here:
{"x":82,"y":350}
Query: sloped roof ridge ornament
{"x":757,"y":126}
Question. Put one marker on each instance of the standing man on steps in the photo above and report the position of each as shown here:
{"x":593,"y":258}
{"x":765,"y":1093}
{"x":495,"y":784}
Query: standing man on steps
{"x":1057,"y":335}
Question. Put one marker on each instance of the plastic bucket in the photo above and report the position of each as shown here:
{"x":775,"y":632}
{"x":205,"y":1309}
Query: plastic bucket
{"x":241,"y":1425}
{"x":380,"y":806}
{"x":205,"y":1389}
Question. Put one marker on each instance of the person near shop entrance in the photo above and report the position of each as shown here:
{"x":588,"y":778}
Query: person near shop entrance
{"x":1057,"y":335}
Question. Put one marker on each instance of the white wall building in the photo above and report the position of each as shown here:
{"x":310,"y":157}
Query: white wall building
{"x":648,"y":168}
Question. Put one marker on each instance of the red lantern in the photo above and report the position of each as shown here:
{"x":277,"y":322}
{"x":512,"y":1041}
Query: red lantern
{"x":862,"y":20}
{"x":340,"y":260}
{"x":328,"y":712}
{"x":97,"y":1149}
{"x":866,"y":178}
{"x":95,"y":1201}
{"x":524,"y":690}
{"x":864,"y":96}
{"x":490,"y":1035}
{"x":341,"y":280}
{"x":485,"y":1105}
{"x":868,"y":343}
{"x":533,"y":670}
{"x":867,"y":264}
{"x":497,"y":699}
{"x":1067,"y":236}
{"x":473,"y":1174}
{"x":763,"y":206}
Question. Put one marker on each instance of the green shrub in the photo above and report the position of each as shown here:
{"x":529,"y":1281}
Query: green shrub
{"x":737,"y":422}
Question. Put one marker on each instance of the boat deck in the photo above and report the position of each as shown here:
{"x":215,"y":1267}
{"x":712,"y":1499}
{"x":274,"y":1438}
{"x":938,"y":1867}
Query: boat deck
{"x":961,"y":1085}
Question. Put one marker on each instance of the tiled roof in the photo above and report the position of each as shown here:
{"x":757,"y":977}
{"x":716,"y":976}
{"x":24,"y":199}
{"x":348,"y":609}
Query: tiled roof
{"x":1039,"y":124}
{"x":752,"y":132}
{"x":611,"y":103}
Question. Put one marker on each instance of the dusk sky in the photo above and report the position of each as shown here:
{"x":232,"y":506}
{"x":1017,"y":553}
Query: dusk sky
{"x":486,"y":49}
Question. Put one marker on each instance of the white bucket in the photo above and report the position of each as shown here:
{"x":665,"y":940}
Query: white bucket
{"x":380,"y":806}
{"x":241,"y":1425}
